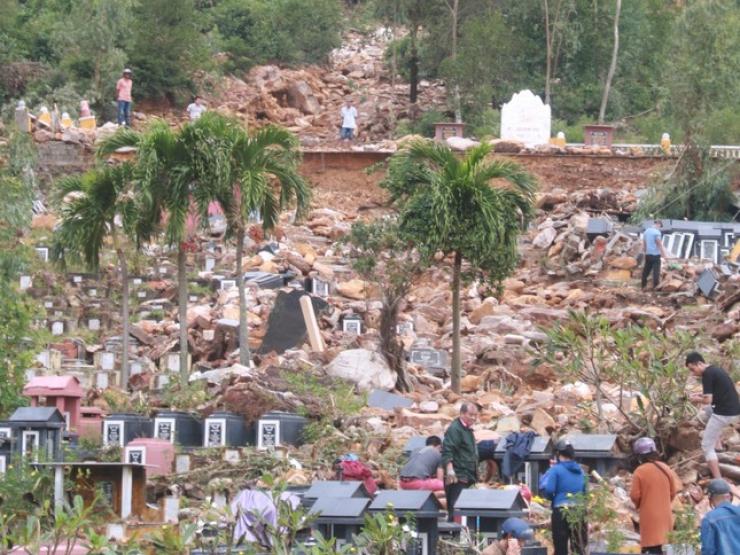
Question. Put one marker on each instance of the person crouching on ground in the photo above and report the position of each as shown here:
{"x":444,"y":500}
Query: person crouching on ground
{"x":654,"y":486}
{"x":424,"y":470}
{"x":512,"y":529}
{"x":559,"y":484}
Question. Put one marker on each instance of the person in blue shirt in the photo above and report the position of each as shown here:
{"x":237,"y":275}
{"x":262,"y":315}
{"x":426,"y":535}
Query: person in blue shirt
{"x":720,"y":529}
{"x":559,"y":484}
{"x":652,"y":241}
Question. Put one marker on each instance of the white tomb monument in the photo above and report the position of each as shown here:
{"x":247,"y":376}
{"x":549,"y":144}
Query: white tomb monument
{"x":527,"y":119}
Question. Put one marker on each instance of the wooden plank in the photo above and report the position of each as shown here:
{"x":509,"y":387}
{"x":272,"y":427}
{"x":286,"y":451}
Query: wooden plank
{"x":312,"y":326}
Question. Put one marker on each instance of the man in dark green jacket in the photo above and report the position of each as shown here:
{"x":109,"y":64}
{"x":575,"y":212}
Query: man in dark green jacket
{"x":460,"y":455}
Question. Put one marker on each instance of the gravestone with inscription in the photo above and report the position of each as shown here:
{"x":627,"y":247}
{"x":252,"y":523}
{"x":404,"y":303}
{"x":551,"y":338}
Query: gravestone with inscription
{"x":223,"y":429}
{"x":527,"y":119}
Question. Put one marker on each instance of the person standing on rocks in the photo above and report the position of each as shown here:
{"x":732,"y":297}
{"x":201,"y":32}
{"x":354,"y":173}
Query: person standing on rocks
{"x":720,"y":528}
{"x":123,"y":96}
{"x":652,"y":242}
{"x":721,"y":398}
{"x":559,"y":484}
{"x":460,"y":455}
{"x":196,"y":108}
{"x":654,"y":486}
{"x":424,"y":469}
{"x":349,"y":120}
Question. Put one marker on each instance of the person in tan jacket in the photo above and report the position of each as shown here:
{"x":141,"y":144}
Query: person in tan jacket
{"x":654,"y":486}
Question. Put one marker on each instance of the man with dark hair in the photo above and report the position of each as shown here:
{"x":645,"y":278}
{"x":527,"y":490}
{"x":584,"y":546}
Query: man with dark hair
{"x":559,"y":484}
{"x":652,"y":243}
{"x":424,"y":470}
{"x":720,"y":528}
{"x":720,"y":396}
{"x":513,"y":531}
{"x":460,"y":455}
{"x":654,"y":486}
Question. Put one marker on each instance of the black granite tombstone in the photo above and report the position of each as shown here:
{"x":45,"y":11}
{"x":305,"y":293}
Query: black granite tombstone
{"x":423,"y":506}
{"x":486,"y":509}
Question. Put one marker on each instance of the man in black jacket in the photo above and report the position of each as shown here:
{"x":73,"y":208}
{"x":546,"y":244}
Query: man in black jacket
{"x":460,"y":455}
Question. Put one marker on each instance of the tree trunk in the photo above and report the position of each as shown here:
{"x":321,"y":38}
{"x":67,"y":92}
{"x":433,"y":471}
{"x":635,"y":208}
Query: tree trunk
{"x":389,"y":343}
{"x":455,"y":8}
{"x":244,"y":354}
{"x":612,"y":65}
{"x":182,"y":309}
{"x":125,"y":323}
{"x":456,"y":365}
{"x":548,"y":45}
{"x":124,"y":317}
{"x":414,"y":66}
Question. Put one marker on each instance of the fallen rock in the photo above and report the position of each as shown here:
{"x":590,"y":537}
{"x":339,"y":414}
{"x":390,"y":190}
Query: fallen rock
{"x":368,"y":369}
{"x":545,"y":238}
{"x":486,"y":309}
{"x":623,"y":263}
{"x":542,"y":422}
{"x":352,"y":289}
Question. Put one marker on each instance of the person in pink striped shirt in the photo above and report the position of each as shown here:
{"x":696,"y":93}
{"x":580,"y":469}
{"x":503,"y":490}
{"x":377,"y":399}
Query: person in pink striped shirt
{"x":123,"y":96}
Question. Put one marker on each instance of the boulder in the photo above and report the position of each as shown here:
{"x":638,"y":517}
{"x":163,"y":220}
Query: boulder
{"x":488,"y":308}
{"x":301,"y":96}
{"x":623,"y":263}
{"x":542,"y":422}
{"x":545,"y":238}
{"x":352,"y":289}
{"x":368,"y":369}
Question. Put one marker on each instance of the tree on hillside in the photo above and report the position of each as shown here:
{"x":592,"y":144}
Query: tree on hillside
{"x":612,"y":64}
{"x":262,"y":170}
{"x":92,"y":204}
{"x":18,"y":338}
{"x":383,"y":256}
{"x":177,"y":174}
{"x":469,"y":208}
{"x":167,"y":47}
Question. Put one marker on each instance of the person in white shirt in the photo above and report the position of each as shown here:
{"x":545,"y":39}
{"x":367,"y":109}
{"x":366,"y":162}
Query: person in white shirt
{"x":349,"y":120}
{"x":196,"y":108}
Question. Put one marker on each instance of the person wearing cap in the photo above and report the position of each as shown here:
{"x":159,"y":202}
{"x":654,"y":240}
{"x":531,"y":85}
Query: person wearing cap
{"x":512,"y":530}
{"x":123,"y":96}
{"x":720,"y":528}
{"x":721,"y":398}
{"x":559,"y":484}
{"x":654,"y":486}
{"x":460,"y":455}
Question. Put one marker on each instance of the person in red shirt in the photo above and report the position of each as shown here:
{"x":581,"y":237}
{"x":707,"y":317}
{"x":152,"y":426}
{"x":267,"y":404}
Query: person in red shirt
{"x":123,"y":96}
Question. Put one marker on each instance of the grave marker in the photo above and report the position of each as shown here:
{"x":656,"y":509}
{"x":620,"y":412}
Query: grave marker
{"x":527,"y":119}
{"x":25,"y":282}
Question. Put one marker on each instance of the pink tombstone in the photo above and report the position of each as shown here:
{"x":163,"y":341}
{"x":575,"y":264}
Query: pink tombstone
{"x":91,"y":423}
{"x":157,"y":454}
{"x":62,"y":392}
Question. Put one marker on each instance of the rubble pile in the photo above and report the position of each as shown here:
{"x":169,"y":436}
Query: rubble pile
{"x":308,"y":100}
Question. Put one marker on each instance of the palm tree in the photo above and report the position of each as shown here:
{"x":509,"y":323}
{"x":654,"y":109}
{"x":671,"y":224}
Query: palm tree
{"x":454,"y":206}
{"x":176,"y":173}
{"x":263,"y":177}
{"x":92,"y":206}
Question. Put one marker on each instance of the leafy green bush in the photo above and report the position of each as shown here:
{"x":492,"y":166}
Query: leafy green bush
{"x":288,"y":31}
